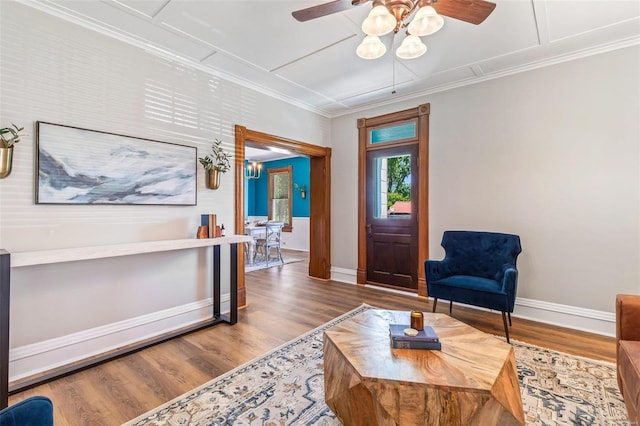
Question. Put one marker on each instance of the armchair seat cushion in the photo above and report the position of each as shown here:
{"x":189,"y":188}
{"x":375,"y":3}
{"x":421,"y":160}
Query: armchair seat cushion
{"x":468,"y":282}
{"x":473,"y":291}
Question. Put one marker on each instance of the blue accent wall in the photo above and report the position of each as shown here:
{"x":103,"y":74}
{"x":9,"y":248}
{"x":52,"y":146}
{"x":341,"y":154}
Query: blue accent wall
{"x":257,"y":189}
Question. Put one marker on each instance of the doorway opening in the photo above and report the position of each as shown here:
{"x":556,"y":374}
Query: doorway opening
{"x":319,"y":200}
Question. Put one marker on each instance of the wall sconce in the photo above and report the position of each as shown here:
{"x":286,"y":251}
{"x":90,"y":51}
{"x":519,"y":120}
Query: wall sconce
{"x":253,"y":170}
{"x":302,"y":189}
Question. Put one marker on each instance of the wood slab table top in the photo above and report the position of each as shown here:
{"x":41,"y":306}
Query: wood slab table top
{"x":471,"y":381}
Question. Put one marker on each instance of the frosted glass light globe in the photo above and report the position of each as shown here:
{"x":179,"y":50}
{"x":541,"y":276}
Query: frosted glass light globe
{"x":371,"y":48}
{"x":379,"y":22}
{"x":412,"y":47}
{"x":426,"y":22}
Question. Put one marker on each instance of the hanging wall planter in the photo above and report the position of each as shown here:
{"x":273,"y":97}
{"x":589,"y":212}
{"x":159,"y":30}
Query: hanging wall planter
{"x":213,"y":178}
{"x":6,"y":159}
{"x":215,"y":164}
{"x":8,"y":137}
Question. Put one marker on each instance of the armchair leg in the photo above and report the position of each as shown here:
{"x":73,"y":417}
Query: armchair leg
{"x":506,"y":328}
{"x":509,"y":315}
{"x":450,"y":306}
{"x":435,"y":302}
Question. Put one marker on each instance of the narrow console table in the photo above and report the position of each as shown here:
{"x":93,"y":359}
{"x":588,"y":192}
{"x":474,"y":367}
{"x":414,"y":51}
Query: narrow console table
{"x":22,"y":259}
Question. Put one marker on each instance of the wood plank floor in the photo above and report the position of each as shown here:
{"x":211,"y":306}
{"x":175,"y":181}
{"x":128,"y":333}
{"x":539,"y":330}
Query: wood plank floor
{"x":282,"y":304}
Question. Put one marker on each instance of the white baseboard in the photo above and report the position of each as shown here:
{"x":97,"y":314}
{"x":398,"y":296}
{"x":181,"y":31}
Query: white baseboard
{"x":28,"y":360}
{"x":590,"y":320}
{"x":574,"y":317}
{"x":343,"y":275}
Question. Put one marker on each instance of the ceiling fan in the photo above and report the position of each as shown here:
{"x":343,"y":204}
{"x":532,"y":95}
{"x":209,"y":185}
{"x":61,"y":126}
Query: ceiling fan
{"x":390,"y":15}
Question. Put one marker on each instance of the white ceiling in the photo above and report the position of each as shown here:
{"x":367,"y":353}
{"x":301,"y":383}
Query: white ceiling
{"x":313,"y":64}
{"x":266,"y":154}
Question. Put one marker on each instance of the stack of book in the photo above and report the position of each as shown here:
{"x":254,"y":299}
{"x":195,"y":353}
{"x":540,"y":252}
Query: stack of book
{"x":425,"y":339}
{"x":210,"y":221}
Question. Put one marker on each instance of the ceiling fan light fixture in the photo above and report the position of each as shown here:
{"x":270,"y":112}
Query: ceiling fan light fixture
{"x":371,"y":48}
{"x":379,"y":22}
{"x":412,"y":47}
{"x":426,"y":22}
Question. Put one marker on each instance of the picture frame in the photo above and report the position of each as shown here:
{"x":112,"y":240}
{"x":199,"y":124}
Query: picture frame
{"x":82,"y":166}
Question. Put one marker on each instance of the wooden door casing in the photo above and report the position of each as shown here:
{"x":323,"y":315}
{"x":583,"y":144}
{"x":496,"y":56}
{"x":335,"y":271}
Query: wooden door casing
{"x":319,"y":201}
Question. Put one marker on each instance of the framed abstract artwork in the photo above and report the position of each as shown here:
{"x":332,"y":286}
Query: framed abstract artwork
{"x":81,"y":166}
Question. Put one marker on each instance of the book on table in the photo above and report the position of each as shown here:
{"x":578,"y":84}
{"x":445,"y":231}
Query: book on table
{"x":210,"y":221}
{"x":426,"y":338}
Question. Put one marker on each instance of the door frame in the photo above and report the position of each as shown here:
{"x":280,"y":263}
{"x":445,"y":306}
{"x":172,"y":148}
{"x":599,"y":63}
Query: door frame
{"x":319,"y":199}
{"x":421,"y":113}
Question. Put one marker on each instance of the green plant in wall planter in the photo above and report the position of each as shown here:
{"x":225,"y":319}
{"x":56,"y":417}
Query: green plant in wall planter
{"x":9,"y":136}
{"x":302,"y":189}
{"x":215,"y":164}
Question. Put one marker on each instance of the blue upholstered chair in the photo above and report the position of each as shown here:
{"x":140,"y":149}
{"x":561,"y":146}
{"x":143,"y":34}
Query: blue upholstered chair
{"x":34,"y":411}
{"x":479,"y":269}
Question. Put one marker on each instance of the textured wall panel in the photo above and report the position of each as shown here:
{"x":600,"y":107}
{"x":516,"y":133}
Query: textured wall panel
{"x":56,"y":71}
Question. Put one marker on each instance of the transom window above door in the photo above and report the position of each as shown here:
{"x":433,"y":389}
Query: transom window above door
{"x":393,"y":133}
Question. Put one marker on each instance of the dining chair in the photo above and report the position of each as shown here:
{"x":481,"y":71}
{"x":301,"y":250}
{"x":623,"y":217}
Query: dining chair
{"x":272,"y":240}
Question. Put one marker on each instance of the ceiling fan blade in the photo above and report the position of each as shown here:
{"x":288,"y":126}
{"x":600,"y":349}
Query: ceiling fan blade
{"x":325,"y":9}
{"x":473,"y":11}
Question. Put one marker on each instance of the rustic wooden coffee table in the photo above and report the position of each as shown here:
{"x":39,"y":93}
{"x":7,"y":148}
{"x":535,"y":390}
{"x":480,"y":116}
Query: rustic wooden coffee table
{"x":471,"y":381}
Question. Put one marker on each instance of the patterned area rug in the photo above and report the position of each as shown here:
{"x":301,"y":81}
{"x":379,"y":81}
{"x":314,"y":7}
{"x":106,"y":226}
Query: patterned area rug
{"x":285,"y":387}
{"x":272,"y":262}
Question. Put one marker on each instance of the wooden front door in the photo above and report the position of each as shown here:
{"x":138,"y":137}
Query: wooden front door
{"x":393,"y":221}
{"x":392,"y":212}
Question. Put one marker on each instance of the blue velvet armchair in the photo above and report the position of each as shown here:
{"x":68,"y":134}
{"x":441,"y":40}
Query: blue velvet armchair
{"x":33,"y":411}
{"x":479,"y":269}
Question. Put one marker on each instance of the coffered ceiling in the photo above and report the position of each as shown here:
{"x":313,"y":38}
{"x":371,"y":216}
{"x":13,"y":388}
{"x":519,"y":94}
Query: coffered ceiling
{"x":313,"y":64}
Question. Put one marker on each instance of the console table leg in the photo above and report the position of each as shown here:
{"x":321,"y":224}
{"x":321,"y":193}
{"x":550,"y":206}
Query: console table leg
{"x":216,"y":282}
{"x":233,"y":285}
{"x":5,"y":279}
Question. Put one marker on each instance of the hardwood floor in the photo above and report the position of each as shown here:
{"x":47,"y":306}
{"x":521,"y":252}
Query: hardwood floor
{"x":282,"y":304}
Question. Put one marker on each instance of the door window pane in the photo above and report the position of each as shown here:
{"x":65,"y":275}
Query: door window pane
{"x":392,"y":187}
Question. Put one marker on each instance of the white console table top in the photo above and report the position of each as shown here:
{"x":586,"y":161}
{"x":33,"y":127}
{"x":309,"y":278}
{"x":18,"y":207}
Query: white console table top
{"x":42,"y":257}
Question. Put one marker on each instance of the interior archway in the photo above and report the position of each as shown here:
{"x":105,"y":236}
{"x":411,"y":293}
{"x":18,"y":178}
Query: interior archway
{"x":319,"y":202}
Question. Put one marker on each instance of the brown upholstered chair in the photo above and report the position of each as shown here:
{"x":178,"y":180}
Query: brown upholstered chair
{"x":628,"y":352}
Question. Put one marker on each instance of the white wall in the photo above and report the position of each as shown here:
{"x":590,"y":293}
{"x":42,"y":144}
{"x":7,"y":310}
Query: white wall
{"x":55,"y":71}
{"x":551,"y":155}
